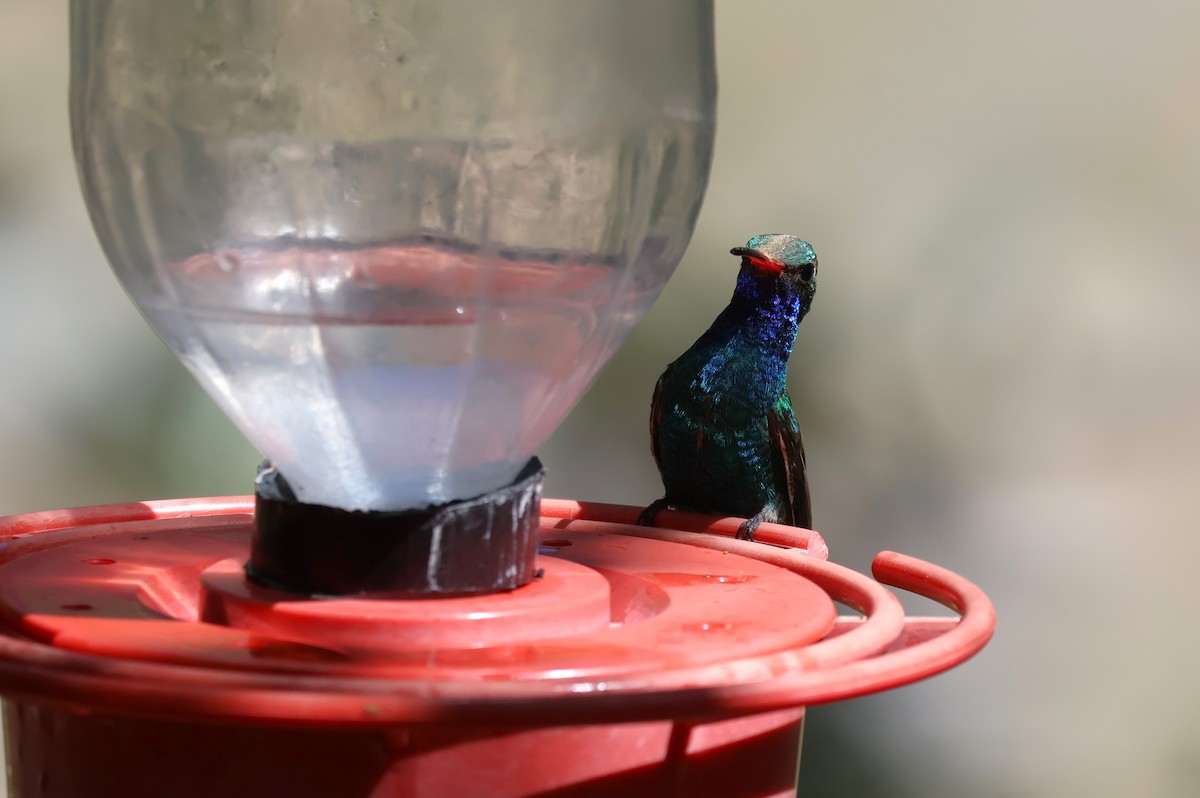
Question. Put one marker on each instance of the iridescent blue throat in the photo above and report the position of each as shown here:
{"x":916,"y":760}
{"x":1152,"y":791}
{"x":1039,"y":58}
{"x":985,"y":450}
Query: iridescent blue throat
{"x":766,"y":310}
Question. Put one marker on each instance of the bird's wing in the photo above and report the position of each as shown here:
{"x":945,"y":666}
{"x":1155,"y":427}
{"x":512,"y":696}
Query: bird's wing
{"x":656,"y":411}
{"x":789,"y":451}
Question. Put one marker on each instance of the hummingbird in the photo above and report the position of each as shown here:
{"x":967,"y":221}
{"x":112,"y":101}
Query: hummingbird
{"x":722,"y":429}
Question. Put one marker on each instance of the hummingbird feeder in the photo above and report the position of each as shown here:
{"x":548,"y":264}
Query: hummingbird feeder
{"x":396,"y":241}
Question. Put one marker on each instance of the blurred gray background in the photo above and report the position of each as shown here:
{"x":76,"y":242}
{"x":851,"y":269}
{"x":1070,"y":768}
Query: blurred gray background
{"x":998,"y":374}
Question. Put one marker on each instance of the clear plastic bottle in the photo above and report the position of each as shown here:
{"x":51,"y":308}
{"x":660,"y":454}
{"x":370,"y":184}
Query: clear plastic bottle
{"x":394,"y":240}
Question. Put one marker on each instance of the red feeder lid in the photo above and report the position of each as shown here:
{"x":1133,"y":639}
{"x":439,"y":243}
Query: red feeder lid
{"x":143,"y":609}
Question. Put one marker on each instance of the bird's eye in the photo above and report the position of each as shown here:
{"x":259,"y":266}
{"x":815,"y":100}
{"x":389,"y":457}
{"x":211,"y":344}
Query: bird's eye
{"x":807,"y":272}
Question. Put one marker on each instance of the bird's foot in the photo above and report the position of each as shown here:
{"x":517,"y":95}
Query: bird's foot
{"x":647,"y":516}
{"x":746,"y":530}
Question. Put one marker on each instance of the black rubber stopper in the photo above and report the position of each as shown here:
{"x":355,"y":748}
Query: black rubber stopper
{"x":481,"y":545}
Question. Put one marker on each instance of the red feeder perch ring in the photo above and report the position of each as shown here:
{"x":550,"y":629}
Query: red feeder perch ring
{"x":644,"y":660}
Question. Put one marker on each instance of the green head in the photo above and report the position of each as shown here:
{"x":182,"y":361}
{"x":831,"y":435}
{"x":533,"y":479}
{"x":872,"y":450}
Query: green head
{"x":784,"y":258}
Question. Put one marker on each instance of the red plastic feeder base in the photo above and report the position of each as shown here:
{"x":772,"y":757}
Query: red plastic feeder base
{"x":137,"y":660}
